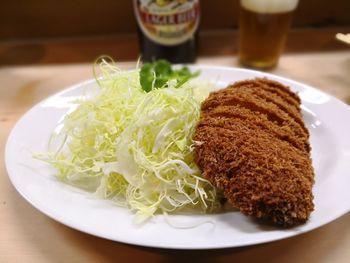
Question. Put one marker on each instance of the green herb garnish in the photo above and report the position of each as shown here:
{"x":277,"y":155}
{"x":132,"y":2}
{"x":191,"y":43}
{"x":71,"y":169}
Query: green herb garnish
{"x":157,"y":75}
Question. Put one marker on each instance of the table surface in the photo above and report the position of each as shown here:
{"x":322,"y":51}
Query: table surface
{"x":29,"y":236}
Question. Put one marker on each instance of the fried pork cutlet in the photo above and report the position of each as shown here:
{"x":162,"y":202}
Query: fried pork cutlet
{"x":252,"y":143}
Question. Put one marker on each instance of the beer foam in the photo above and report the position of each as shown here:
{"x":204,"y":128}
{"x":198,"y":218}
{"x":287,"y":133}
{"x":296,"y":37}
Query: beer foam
{"x":269,"y":6}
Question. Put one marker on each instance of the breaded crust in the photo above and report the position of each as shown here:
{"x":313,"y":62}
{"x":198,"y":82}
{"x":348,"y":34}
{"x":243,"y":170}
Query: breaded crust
{"x":252,"y":143}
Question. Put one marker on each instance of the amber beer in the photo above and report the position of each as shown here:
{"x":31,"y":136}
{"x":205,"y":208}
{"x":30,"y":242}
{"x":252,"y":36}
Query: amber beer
{"x":263,"y":31}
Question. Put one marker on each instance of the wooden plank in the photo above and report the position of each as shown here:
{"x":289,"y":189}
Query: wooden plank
{"x":125,"y":47}
{"x":65,"y":18}
{"x":31,"y":237}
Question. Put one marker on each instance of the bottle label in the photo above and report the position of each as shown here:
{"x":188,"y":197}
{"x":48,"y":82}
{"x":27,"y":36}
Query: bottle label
{"x":167,"y":22}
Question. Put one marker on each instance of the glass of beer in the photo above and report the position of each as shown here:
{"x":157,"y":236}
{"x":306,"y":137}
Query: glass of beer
{"x":263,"y":29}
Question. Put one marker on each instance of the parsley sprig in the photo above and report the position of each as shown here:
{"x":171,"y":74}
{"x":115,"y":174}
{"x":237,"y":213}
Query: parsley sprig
{"x":156,"y":75}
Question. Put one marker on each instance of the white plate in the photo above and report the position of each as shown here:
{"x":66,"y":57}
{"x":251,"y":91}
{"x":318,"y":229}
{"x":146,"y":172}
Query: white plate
{"x":326,"y":117}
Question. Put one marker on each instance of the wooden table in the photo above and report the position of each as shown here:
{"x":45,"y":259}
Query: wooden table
{"x":26,"y":235}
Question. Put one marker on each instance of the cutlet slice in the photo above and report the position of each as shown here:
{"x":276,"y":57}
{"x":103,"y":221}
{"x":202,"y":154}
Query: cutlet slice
{"x":250,"y":101}
{"x":278,"y":190}
{"x":279,"y":90}
{"x":267,"y":96}
{"x":223,"y":116}
{"x":283,"y":91}
{"x":254,"y":148}
{"x":277,"y":86}
{"x":271,"y":97}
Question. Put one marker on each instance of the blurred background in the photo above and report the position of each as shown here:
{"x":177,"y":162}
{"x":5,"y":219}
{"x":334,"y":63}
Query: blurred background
{"x":42,"y":32}
{"x":47,"y":45}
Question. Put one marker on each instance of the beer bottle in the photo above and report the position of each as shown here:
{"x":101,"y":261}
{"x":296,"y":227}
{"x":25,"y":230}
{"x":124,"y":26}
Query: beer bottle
{"x":167,"y":29}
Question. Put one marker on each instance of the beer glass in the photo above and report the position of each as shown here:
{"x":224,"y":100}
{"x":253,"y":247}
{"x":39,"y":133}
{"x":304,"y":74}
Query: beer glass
{"x":263,"y":29}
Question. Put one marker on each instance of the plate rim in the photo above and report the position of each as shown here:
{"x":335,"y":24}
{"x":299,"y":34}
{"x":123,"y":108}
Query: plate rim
{"x":149,"y":244}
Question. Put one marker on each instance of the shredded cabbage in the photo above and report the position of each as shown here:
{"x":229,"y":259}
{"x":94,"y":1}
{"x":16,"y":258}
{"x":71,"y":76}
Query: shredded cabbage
{"x":133,"y":147}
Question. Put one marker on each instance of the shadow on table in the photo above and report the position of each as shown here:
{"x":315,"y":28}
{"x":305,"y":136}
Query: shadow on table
{"x":22,"y":54}
{"x":58,"y":243}
{"x":306,"y":246}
